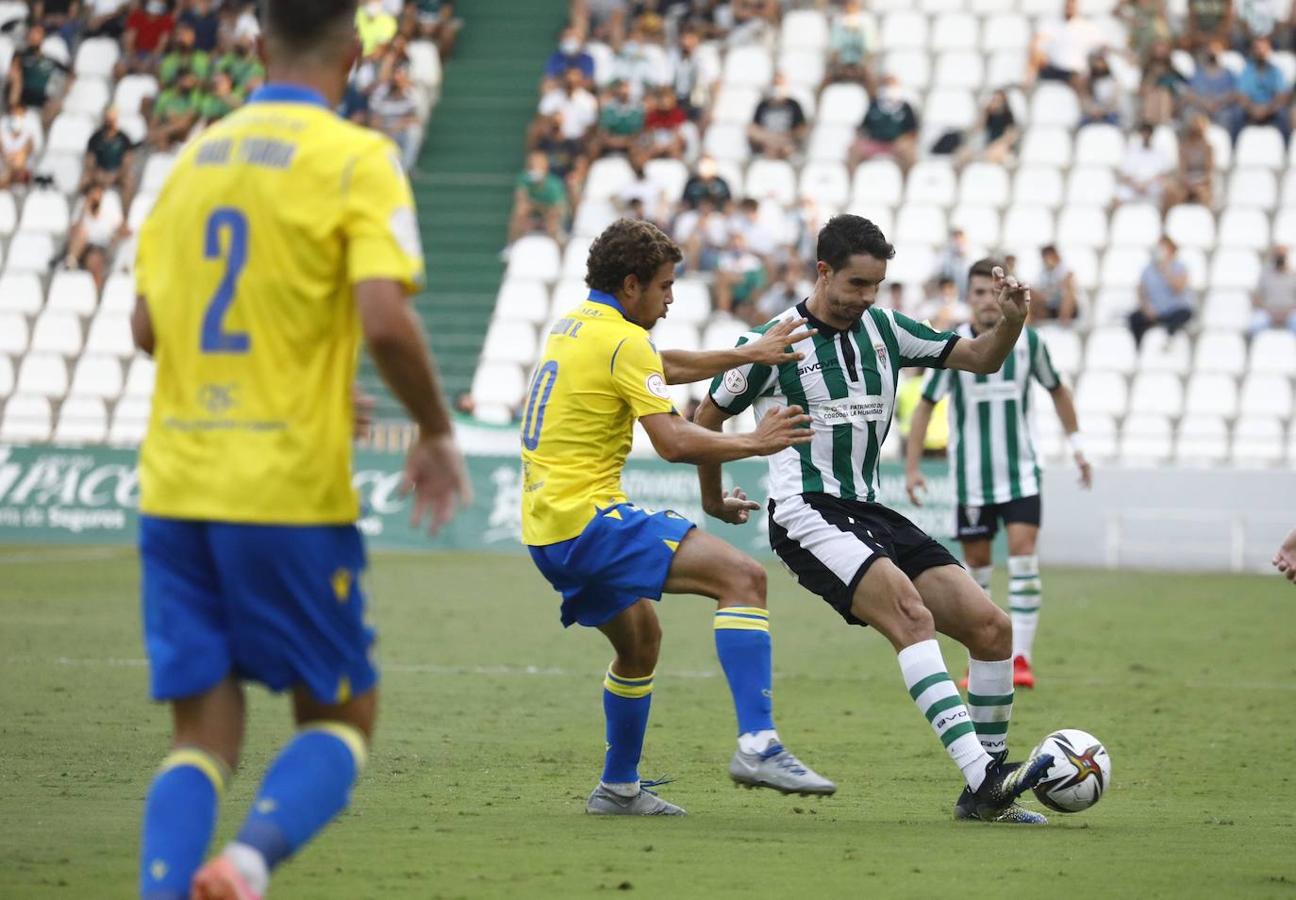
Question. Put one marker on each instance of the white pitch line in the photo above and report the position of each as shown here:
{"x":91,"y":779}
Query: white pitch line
{"x":555,"y":671}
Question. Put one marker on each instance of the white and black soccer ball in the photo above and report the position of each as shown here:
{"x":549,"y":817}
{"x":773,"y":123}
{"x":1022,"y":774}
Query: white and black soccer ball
{"x":1080,"y":773}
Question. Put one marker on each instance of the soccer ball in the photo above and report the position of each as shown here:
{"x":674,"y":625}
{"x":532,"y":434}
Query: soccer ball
{"x":1080,"y":772}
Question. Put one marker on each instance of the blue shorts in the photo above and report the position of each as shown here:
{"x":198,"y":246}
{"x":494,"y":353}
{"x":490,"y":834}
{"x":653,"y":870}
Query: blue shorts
{"x":277,"y":604}
{"x":623,"y":554}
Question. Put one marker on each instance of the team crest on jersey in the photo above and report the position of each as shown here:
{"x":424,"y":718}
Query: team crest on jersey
{"x":735,"y":381}
{"x":879,"y":349}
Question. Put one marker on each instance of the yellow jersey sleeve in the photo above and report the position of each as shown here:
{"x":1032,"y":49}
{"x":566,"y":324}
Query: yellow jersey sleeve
{"x":379,"y":221}
{"x":638,"y":379}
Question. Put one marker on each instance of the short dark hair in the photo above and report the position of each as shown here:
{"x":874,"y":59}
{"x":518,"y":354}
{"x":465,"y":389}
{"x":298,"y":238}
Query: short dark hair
{"x":628,"y":247}
{"x":984,"y":267}
{"x":1049,"y":248}
{"x":846,"y":235}
{"x":302,"y":25}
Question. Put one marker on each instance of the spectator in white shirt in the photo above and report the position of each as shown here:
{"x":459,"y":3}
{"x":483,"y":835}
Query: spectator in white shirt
{"x":393,"y":109}
{"x":18,"y":138}
{"x":1275,"y":296}
{"x":99,"y":226}
{"x":575,"y":108}
{"x":1142,"y":174}
{"x":1061,"y":48}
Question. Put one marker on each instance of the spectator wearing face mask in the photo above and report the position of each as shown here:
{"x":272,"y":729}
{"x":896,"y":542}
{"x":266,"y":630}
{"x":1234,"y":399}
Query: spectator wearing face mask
{"x":889,"y":129}
{"x":219,"y":100}
{"x":571,"y":54}
{"x":393,"y":110}
{"x":620,"y":122}
{"x":706,"y":184}
{"x":147,"y":30}
{"x":1212,"y":90}
{"x":241,"y":64}
{"x":996,"y":133}
{"x":1053,"y":290}
{"x":183,"y":56}
{"x":851,"y":42}
{"x":109,"y":159}
{"x":175,"y":112}
{"x":99,"y":226}
{"x":779,"y":126}
{"x":1194,"y":180}
{"x":1101,"y":100}
{"x":1275,"y":296}
{"x":1263,"y":92}
{"x":695,"y":72}
{"x":540,"y":198}
{"x":204,"y":18}
{"x":34,"y":77}
{"x":18,"y":137}
{"x":435,"y":21}
{"x":1142,"y":173}
{"x":665,"y":123}
{"x":1164,"y":297}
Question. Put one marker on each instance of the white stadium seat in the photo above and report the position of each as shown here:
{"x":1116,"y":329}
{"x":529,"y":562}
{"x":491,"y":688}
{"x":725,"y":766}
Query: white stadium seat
{"x":96,"y":58}
{"x":1260,"y":146}
{"x":82,"y":420}
{"x":984,"y":184}
{"x":64,"y":168}
{"x":1099,"y":145}
{"x":608,"y":177}
{"x":1190,"y":225}
{"x":45,"y":212}
{"x":1135,"y":225}
{"x":772,"y":178}
{"x":735,"y":104}
{"x":722,"y":142}
{"x":828,"y":183}
{"x":1038,"y":186}
{"x":1111,"y":350}
{"x":8,"y":214}
{"x":592,"y":216}
{"x":13,"y":332}
{"x":132,"y":91}
{"x":949,"y":109}
{"x":1091,"y":185}
{"x":670,"y":335}
{"x":73,"y":291}
{"x":129,"y":421}
{"x":110,"y":333}
{"x":88,"y":96}
{"x":1253,"y":189}
{"x":1284,"y":228}
{"x":118,"y":294}
{"x":954,"y":31}
{"x":931,"y":183}
{"x":1007,"y":67}
{"x":498,"y":388}
{"x":1257,"y":441}
{"x":425,"y":63}
{"x":1100,"y":436}
{"x":523,"y":301}
{"x":843,"y":104}
{"x":920,"y":225}
{"x":510,"y":341}
{"x":911,"y":67}
{"x":1101,"y":392}
{"x":1112,"y":305}
{"x":749,"y":66}
{"x":877,"y":181}
{"x":575,"y":257}
{"x":21,"y":293}
{"x":804,"y":28}
{"x":1156,"y":393}
{"x":534,"y":256}
{"x":830,"y":143}
{"x":959,"y":68}
{"x":904,"y":30}
{"x":1006,"y":30}
{"x":1083,"y":225}
{"x":43,"y":375}
{"x":1064,"y":348}
{"x":1244,"y":227}
{"x":1227,"y":310}
{"x":691,"y":301}
{"x":8,"y":377}
{"x":981,"y":223}
{"x":26,"y":418}
{"x":1265,"y":394}
{"x":671,"y":174}
{"x":1055,"y":104}
{"x":70,"y":133}
{"x":97,"y":376}
{"x":1211,"y":394}
{"x":141,"y":377}
{"x":1234,"y":268}
{"x":1047,"y":146}
{"x":1162,"y":352}
{"x":156,"y":170}
{"x":1027,"y":226}
{"x":913,"y":263}
{"x":1145,"y":439}
{"x":1084,"y":264}
{"x":1274,"y":352}
{"x":57,"y":331}
{"x":1201,"y":439}
{"x":802,"y":68}
{"x":1220,"y":351}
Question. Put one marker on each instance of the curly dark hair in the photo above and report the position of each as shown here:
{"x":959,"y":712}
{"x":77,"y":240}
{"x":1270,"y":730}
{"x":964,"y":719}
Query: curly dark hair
{"x":984,"y":267}
{"x":301,"y":26}
{"x":628,"y":247}
{"x":846,"y":235}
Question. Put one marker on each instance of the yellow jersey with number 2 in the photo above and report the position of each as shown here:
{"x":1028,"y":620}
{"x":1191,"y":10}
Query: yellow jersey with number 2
{"x":599,"y":373}
{"x":247,"y":263}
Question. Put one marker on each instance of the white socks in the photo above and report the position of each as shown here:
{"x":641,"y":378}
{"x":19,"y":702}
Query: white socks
{"x":989,"y":702}
{"x":981,"y":575}
{"x":250,"y":864}
{"x":1025,"y":593}
{"x":757,"y":741}
{"x":933,"y":691}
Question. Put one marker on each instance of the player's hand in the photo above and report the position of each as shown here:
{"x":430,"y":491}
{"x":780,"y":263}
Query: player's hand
{"x":734,"y":508}
{"x":1285,"y":559}
{"x":781,"y":428}
{"x":773,"y":348}
{"x":1014,"y":296}
{"x":364,"y":405}
{"x":435,"y":474}
{"x":1086,"y":471}
{"x":915,"y":486}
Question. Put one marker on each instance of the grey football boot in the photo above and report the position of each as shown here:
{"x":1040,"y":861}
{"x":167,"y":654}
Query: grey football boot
{"x":603,"y":802}
{"x":775,"y":767}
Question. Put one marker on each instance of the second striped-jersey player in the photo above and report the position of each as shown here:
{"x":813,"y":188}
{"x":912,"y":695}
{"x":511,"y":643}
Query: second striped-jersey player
{"x":995,"y":461}
{"x":870,"y":563}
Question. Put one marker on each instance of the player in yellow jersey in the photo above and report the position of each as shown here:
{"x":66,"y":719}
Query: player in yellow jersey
{"x":281,"y":238}
{"x":610,"y":559}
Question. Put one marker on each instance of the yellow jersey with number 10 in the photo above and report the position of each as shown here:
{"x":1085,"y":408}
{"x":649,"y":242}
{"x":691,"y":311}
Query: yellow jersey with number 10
{"x":599,"y":373}
{"x":247,"y":263}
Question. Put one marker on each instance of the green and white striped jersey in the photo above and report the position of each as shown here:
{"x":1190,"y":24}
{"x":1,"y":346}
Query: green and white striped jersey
{"x":847,"y":384}
{"x":992,"y":446}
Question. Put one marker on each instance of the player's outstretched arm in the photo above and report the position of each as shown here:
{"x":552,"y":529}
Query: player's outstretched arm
{"x":1066,"y":413}
{"x":434,"y":467}
{"x":732,"y":507}
{"x":678,"y":440}
{"x":1285,"y":559}
{"x":915,"y":483}
{"x":985,"y":353}
{"x":773,"y":348}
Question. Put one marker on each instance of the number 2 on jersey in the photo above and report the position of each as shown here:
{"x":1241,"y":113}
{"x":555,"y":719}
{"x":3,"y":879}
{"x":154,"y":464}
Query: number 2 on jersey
{"x":541,"y":388}
{"x":215,"y":339}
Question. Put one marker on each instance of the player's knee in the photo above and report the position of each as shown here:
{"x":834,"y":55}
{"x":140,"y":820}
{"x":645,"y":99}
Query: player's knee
{"x":751,"y":583}
{"x":640,"y":656}
{"x":914,"y":621}
{"x":991,"y":634}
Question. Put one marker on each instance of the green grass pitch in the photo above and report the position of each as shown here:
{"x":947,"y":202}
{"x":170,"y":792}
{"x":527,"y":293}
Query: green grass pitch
{"x":491,"y":735}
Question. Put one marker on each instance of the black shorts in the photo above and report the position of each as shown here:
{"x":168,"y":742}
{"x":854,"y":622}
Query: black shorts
{"x":981,"y":523}
{"x":829,"y":543}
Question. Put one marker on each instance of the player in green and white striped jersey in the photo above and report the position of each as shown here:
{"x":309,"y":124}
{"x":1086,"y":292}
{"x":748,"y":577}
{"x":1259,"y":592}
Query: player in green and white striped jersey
{"x":994,"y":462}
{"x":870,"y":563}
